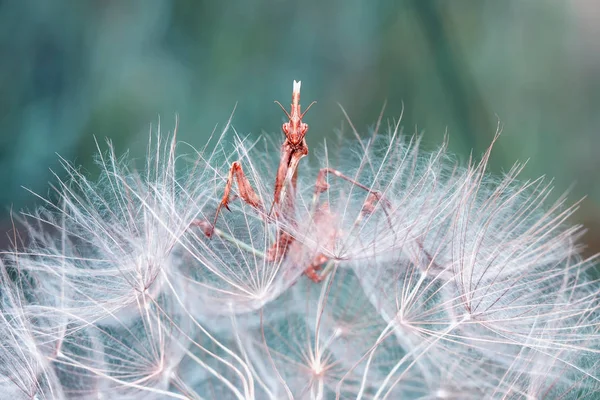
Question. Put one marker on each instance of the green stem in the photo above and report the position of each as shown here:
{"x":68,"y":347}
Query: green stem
{"x":238,"y":243}
{"x":328,"y":268}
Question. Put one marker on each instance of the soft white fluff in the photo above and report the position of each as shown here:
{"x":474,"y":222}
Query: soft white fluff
{"x":455,"y":285}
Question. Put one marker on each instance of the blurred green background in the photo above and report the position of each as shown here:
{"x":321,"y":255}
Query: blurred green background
{"x":71,"y":69}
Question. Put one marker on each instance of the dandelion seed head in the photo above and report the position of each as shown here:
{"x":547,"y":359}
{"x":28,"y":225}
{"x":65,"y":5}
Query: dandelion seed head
{"x":439,"y":281}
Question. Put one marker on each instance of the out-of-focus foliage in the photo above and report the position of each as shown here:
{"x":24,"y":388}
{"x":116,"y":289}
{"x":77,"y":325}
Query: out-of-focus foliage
{"x":74,"y":69}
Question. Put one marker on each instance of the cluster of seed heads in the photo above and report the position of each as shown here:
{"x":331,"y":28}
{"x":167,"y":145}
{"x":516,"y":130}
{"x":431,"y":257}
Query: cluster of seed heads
{"x":452,"y":285}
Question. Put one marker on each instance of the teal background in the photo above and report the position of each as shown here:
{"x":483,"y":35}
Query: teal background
{"x":70,"y":70}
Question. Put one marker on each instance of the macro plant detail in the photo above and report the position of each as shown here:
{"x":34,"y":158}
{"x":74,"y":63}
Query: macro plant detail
{"x":435,"y":280}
